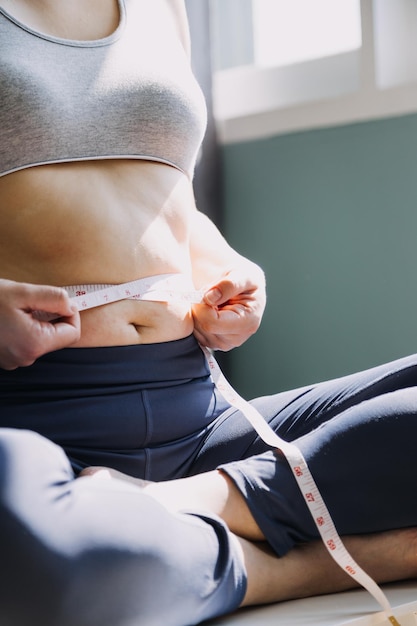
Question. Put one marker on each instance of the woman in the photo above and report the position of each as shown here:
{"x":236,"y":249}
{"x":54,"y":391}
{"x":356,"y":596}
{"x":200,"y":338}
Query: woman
{"x":101,"y":123}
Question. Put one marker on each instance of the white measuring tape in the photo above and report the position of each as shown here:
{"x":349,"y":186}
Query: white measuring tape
{"x":161,"y":288}
{"x":176,"y":287}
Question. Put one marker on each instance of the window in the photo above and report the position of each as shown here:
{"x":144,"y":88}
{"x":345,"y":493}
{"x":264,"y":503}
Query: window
{"x":282,"y":32}
{"x":283,"y":65}
{"x":288,"y":32}
{"x":395,"y":42}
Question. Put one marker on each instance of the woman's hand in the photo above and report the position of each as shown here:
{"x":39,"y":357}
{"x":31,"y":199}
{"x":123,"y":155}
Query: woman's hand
{"x":232,"y":309}
{"x":24,"y":337}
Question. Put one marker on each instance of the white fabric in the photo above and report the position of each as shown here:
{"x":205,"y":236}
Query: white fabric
{"x":351,"y":608}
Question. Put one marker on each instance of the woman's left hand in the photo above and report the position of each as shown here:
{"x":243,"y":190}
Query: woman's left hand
{"x":232,"y":309}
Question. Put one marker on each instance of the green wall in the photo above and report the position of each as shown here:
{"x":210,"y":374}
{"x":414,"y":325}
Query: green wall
{"x":331,"y":216}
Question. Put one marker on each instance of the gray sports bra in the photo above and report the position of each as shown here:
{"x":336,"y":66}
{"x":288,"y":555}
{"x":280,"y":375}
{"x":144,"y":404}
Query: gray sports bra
{"x":129,"y":95}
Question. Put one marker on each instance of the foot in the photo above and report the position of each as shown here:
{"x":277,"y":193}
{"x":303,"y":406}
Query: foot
{"x":107,"y":472}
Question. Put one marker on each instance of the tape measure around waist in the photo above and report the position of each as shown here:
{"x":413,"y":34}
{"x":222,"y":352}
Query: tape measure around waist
{"x":160,"y":288}
{"x":178,"y":288}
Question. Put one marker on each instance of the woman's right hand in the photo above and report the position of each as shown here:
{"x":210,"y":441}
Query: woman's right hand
{"x":23,"y":336}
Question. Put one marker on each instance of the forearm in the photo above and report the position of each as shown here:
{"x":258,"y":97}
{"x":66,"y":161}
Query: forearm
{"x":212,"y":256}
{"x":235,"y":296}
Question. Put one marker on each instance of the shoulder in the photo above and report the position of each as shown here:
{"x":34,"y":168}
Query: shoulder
{"x":179,"y":13}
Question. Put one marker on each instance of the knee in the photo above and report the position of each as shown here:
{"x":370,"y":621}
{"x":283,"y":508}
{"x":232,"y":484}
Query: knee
{"x":90,"y":552}
{"x":31,"y":581}
{"x":24,"y":448}
{"x":29,"y":465}
{"x":32,"y":470}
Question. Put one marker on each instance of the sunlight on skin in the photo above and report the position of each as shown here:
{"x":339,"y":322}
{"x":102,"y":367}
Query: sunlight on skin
{"x":307,"y":569}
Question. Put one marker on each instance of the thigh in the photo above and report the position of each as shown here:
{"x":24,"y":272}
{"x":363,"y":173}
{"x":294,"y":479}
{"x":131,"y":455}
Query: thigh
{"x":363,"y":462}
{"x":295,"y":413}
{"x":141,"y":409}
{"x":99,"y":552}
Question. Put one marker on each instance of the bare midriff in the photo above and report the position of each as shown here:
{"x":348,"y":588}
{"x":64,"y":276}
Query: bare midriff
{"x":96,"y":222}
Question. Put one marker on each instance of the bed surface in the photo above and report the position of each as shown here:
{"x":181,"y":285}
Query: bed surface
{"x":353,"y":608}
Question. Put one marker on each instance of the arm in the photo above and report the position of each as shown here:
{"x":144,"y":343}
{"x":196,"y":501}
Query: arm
{"x":23,"y":337}
{"x":235,"y":289}
{"x":235,"y":298}
{"x":180,"y":17}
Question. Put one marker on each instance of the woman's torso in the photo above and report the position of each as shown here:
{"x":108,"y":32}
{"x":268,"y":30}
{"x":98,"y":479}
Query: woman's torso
{"x":100,"y":221}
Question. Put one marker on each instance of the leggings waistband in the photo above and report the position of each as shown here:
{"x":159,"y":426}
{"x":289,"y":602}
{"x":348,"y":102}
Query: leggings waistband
{"x":149,"y":364}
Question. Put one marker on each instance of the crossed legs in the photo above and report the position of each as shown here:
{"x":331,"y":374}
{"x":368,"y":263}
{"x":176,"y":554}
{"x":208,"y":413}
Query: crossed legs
{"x":98,"y":551}
{"x":64,"y":541}
{"x":304,"y":571}
{"x":363,"y":460}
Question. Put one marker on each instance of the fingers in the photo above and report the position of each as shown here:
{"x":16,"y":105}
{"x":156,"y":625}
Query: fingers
{"x":232,"y":310}
{"x":33,"y":338}
{"x":24,"y":337}
{"x":59,"y":332}
{"x":44,"y":298}
{"x":226,"y":328}
{"x":63,"y":332}
{"x":233,"y":285}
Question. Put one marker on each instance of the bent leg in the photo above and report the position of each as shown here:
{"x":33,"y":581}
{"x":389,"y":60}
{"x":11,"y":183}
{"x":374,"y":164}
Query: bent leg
{"x":306,"y":569}
{"x":362,"y":456}
{"x":98,"y":552}
{"x":365,"y":467}
{"x":363,"y":461}
{"x":293,"y":414}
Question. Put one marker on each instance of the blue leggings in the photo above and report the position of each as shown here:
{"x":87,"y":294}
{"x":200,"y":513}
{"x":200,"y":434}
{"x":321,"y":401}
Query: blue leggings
{"x":90,"y":552}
